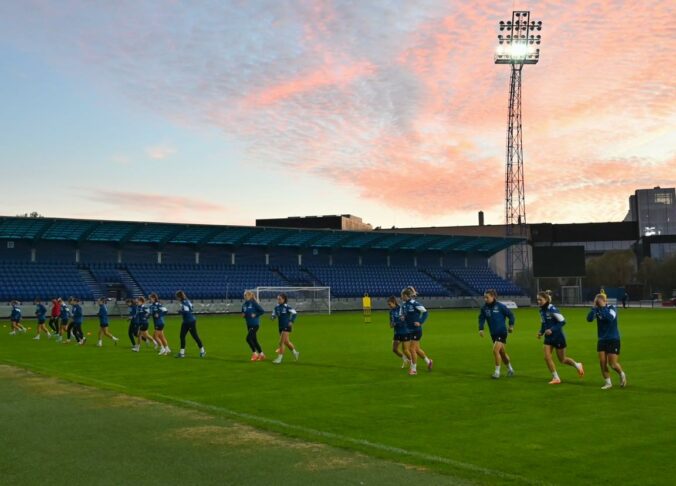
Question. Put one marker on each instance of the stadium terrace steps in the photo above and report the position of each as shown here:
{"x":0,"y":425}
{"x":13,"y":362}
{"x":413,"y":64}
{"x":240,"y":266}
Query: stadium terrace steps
{"x":464,"y":287}
{"x":130,"y":284}
{"x":94,"y":286}
{"x":478,"y":279}
{"x":296,"y":276}
{"x":444,"y":278}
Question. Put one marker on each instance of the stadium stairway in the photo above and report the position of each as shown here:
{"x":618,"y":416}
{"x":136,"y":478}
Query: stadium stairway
{"x":128,"y":281}
{"x":295,"y":276}
{"x":91,"y":282}
{"x":313,"y":278}
{"x":444,"y":279}
{"x":465,"y":289}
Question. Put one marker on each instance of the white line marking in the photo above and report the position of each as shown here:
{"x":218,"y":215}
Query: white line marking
{"x":351,"y":440}
{"x":306,"y":430}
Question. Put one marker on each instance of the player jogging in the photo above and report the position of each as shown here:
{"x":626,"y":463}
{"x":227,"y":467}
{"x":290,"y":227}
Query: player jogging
{"x":401,"y":336}
{"x":78,"y":318}
{"x":143,"y":323}
{"x":15,"y":318}
{"x":189,"y":324}
{"x":54,"y":316}
{"x":64,"y":316}
{"x":102,"y":314}
{"x":252,"y":312}
{"x":132,"y":331}
{"x":414,"y":315}
{"x":158,"y":311}
{"x":286,"y":316}
{"x":608,"y":345}
{"x":496,"y":313}
{"x":41,"y":315}
{"x":552,"y":323}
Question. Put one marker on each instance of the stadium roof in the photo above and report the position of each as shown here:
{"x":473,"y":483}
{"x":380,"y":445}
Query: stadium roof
{"x":120,"y":232}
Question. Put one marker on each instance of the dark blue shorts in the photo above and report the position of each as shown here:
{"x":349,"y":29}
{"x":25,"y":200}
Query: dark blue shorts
{"x":499,"y":338}
{"x":143,"y":327}
{"x":103,"y":324}
{"x":284,"y":329}
{"x":401,"y":337}
{"x":610,"y":346}
{"x":555,"y":342}
{"x":415,"y":335}
{"x":42,"y":320}
{"x":64,"y":322}
{"x":158,"y":327}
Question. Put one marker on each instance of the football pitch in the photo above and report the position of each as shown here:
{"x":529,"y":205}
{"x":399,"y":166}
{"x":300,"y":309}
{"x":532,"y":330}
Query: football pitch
{"x":348,"y":392}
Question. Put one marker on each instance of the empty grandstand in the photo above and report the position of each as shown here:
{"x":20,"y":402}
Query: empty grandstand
{"x":45,"y":258}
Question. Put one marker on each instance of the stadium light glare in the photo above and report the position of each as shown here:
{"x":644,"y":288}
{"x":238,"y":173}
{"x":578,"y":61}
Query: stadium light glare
{"x":519,"y":37}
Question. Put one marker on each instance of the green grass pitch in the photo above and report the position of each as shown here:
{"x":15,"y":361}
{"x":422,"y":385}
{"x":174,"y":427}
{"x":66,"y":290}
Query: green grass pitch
{"x":348,"y":390}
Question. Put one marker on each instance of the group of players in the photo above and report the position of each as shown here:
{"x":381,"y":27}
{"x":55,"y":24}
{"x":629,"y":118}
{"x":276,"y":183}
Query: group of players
{"x":406,"y":319}
{"x":67,"y":318}
{"x":501,"y":321}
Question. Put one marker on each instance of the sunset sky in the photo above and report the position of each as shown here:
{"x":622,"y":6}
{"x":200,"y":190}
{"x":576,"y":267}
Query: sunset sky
{"x":225,"y":111}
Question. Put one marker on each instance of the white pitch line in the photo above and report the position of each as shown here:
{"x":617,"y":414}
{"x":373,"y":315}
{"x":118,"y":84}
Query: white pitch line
{"x":319,"y":433}
{"x":352,"y":440}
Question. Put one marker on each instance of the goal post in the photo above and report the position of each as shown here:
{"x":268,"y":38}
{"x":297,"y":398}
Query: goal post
{"x":316,"y":300}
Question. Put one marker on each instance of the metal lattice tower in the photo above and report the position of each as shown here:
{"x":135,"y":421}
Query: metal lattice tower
{"x":516,"y":48}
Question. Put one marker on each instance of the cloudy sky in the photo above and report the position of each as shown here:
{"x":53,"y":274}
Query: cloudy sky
{"x":224,"y":111}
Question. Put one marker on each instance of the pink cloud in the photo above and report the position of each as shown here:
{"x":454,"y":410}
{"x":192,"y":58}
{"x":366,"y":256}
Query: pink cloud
{"x":401,"y":101}
{"x":338,"y":76}
{"x":153,"y":203}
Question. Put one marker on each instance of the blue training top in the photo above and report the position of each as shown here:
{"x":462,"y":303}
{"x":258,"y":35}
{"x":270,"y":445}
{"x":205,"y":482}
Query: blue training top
{"x":413,"y":311}
{"x":77,"y":314}
{"x":65,"y":312}
{"x":606,"y":322}
{"x":496,"y":314}
{"x":15,"y":316}
{"x":103,"y":314}
{"x":252,"y":311}
{"x":552,"y":319}
{"x":133,"y":314}
{"x":158,"y":311}
{"x":285,"y":313}
{"x":143,"y":315}
{"x":186,"y":310}
{"x":41,"y":312}
{"x":397,"y":323}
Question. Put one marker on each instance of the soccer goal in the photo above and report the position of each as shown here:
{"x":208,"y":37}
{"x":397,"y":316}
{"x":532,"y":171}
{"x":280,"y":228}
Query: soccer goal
{"x":571,"y":295}
{"x":315,"y":300}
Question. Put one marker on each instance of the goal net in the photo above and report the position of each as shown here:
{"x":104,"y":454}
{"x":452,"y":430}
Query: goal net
{"x":571,"y":295}
{"x":316,"y":300}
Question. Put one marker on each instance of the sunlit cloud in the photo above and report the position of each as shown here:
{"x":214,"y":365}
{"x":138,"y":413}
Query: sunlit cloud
{"x":398,"y":100}
{"x":159,"y":207}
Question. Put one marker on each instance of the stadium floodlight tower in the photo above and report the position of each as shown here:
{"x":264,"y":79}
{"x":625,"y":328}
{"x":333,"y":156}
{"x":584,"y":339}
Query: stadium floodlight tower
{"x":518,"y":44}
